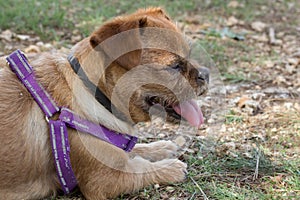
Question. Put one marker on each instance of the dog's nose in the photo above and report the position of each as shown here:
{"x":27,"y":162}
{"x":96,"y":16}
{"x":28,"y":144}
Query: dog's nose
{"x":203,"y":75}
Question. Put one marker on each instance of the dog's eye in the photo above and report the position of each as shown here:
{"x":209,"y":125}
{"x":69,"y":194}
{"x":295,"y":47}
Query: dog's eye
{"x":177,"y":67}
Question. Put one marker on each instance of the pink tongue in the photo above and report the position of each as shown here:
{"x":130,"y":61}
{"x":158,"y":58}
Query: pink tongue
{"x":190,"y":111}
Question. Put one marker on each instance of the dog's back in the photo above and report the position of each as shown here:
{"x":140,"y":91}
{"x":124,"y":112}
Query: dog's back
{"x":25,"y":154}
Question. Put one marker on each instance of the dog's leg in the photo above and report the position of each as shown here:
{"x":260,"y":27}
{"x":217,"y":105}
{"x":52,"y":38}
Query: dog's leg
{"x":155,"y":151}
{"x":112,"y":172}
{"x":137,"y":174}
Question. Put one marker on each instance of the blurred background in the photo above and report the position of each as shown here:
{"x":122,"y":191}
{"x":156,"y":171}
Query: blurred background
{"x":255,"y":153}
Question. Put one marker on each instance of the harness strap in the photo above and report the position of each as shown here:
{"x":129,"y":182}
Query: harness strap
{"x":61,"y":153}
{"x":58,"y":128}
{"x":18,"y":63}
{"x":58,"y":131}
{"x":123,"y":141}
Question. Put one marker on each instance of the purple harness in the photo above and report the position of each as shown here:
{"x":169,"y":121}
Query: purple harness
{"x":58,"y":128}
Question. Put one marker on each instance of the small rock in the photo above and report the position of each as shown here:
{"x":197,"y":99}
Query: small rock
{"x":23,"y":37}
{"x":64,"y":50}
{"x":290,"y":68}
{"x":7,"y":35}
{"x":258,"y":26}
{"x":269,"y":63}
{"x":40,"y":43}
{"x":247,"y":155}
{"x":277,"y":42}
{"x":258,"y":96}
{"x":280,"y":34}
{"x":260,"y":38}
{"x":293,"y":61}
{"x":170,"y":189}
{"x":34,"y":39}
{"x":156,"y":186}
{"x":279,"y":80}
{"x":231,"y":21}
{"x":210,"y":121}
{"x":76,"y":38}
{"x":233,"y":4}
{"x":48,"y":46}
{"x":180,"y":141}
{"x":288,"y":105}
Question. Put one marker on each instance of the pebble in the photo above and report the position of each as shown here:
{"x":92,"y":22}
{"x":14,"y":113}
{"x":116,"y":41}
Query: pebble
{"x":258,"y":26}
{"x":180,"y":141}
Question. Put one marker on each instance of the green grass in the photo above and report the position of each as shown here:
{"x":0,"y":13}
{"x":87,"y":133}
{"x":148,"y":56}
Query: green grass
{"x":232,"y":117}
{"x":33,"y":17}
{"x":46,"y":18}
{"x":217,"y":174}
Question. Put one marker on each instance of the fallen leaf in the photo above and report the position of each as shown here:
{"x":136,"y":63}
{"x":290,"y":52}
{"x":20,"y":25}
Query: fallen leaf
{"x":242,"y":101}
{"x":32,"y":49}
{"x":277,"y":179}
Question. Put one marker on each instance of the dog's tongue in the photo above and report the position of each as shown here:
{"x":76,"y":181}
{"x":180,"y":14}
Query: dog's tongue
{"x":190,"y":111}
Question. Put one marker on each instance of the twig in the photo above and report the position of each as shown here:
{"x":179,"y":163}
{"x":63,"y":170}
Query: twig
{"x":192,"y":197}
{"x":255,"y":176}
{"x":272,"y":35}
{"x":197,"y":185}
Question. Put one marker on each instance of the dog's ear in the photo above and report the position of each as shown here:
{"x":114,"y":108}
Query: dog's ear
{"x":120,"y":40}
{"x":156,"y":11}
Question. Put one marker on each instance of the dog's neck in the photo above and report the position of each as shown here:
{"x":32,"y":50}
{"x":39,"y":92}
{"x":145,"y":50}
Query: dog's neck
{"x":93,"y":65}
{"x":90,"y":61}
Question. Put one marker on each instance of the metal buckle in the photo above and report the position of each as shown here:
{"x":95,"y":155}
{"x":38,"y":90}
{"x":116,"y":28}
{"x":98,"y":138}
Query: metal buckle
{"x":7,"y":63}
{"x":23,"y":54}
{"x":47,"y":119}
{"x":54,"y":114}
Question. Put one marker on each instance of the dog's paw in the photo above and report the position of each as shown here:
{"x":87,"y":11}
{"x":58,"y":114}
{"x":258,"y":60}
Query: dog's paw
{"x":170,"y":171}
{"x":156,"y":151}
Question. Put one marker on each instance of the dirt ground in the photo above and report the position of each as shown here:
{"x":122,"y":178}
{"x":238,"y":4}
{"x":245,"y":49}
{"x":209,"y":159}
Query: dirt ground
{"x":249,"y":147}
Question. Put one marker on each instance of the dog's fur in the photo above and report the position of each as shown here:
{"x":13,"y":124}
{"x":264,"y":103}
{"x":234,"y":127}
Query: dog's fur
{"x":103,"y":171}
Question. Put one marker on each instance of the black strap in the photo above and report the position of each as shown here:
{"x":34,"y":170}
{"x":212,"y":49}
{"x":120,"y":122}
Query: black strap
{"x":98,"y":94}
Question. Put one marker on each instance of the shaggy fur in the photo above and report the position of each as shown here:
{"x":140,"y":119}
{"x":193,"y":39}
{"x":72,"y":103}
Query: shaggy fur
{"x":103,"y":171}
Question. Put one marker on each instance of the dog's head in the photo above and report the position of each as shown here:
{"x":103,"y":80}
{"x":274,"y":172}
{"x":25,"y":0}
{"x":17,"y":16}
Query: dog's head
{"x":149,"y":67}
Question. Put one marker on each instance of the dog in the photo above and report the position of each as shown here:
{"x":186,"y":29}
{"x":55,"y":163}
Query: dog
{"x":135,"y":81}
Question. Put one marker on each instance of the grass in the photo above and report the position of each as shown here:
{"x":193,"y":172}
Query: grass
{"x":232,"y":117}
{"x":213,"y":171}
{"x":226,"y":177}
{"x":45,"y":18}
{"x":34,"y":17}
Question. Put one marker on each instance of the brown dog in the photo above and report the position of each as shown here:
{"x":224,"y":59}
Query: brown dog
{"x":134,"y":81}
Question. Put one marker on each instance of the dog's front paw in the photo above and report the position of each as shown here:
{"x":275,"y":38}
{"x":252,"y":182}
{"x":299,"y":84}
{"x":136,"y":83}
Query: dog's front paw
{"x":163,"y":149}
{"x":156,"y":151}
{"x":170,"y":171}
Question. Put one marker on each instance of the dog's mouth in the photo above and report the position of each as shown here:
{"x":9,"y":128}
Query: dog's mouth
{"x":188,"y":110}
